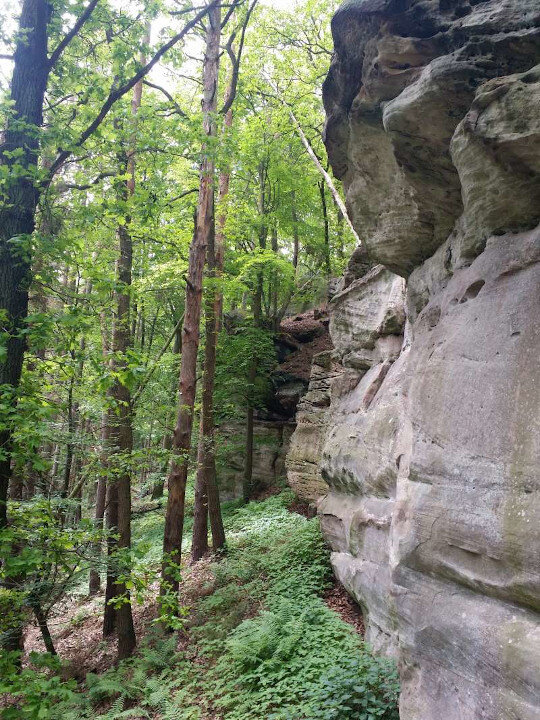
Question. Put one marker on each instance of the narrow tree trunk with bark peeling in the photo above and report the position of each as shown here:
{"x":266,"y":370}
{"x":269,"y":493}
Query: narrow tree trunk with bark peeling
{"x":174,"y":518}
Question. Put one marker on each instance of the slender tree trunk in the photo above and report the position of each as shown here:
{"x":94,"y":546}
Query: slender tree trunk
{"x":199,"y":543}
{"x":328,"y":180}
{"x":78,"y":488}
{"x":296,"y":239}
{"x":157,"y":490}
{"x":207,"y":501}
{"x":17,"y":211}
{"x":275,"y":282}
{"x":69,"y":446}
{"x":247,"y":487}
{"x":174,"y":519}
{"x":214,"y":310}
{"x":44,"y":628}
{"x":54,"y":468}
{"x":340,"y":220}
{"x":120,"y":418}
{"x":94,"y":584}
{"x":247,"y":484}
{"x":120,"y":442}
{"x":327,"y":259}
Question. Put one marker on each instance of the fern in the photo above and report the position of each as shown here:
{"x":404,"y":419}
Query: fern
{"x":264,"y":646}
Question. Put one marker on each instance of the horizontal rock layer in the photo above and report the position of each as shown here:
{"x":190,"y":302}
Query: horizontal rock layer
{"x":431,"y":454}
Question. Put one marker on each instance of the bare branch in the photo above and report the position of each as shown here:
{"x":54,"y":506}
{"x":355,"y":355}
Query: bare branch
{"x":328,"y":180}
{"x":230,"y":11}
{"x":182,"y":195}
{"x":74,"y":186}
{"x":146,"y":378}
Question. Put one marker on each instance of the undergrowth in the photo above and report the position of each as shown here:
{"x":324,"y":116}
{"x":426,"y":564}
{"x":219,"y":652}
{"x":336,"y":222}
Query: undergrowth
{"x":262,"y":643}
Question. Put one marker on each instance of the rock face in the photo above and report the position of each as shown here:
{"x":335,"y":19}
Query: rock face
{"x":432,"y":450}
{"x":312,"y":419}
{"x":300,"y":337}
{"x":271,"y":440}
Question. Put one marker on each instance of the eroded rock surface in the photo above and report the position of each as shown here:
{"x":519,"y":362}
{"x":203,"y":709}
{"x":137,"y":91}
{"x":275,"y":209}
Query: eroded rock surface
{"x":312,"y":420}
{"x":431,"y":455}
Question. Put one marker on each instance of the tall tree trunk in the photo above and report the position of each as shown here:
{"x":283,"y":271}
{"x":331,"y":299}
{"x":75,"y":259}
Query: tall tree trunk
{"x":247,"y":486}
{"x":340,"y":220}
{"x":207,"y":491}
{"x":275,"y":282}
{"x":120,"y":446}
{"x":71,"y":434}
{"x":120,"y":414}
{"x":17,"y":211}
{"x":94,"y":584}
{"x":296,"y":239}
{"x":174,"y":519}
{"x":247,"y":482}
{"x":327,"y":259}
{"x":157,"y":490}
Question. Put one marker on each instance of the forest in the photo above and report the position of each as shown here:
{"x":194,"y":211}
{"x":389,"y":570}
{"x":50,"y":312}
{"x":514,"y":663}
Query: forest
{"x":166,"y":211}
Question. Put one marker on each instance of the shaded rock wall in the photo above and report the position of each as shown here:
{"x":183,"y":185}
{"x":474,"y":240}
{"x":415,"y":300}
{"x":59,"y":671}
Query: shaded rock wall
{"x":271,"y":440}
{"x":431,"y":457}
{"x":299,"y":338}
{"x":303,"y":459}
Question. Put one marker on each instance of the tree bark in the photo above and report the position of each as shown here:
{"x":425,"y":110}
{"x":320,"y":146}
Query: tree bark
{"x":44,"y":628}
{"x":94,"y":584}
{"x":328,"y":180}
{"x":17,"y":211}
{"x":120,"y":444}
{"x":296,"y":239}
{"x":174,"y":518}
{"x":157,"y":490}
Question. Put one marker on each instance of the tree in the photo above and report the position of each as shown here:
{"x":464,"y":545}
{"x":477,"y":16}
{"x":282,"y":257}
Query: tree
{"x":24,"y":184}
{"x":207,"y":505}
{"x":174,"y":517}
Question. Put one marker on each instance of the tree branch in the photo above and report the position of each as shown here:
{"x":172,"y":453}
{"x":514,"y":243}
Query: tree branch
{"x":235,"y":61}
{"x":182,"y":195}
{"x":115,"y":95}
{"x":168,"y":95}
{"x":86,"y":186}
{"x":62,"y":45}
{"x":339,"y":202}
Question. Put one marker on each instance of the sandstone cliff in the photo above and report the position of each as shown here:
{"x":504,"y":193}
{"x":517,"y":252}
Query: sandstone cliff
{"x":431,"y":458}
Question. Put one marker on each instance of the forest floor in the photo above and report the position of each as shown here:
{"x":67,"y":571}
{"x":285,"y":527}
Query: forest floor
{"x":264,"y":628}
